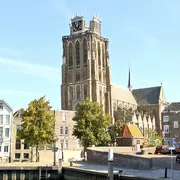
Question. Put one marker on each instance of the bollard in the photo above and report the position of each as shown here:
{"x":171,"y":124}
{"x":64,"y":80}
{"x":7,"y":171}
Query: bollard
{"x":60,"y":162}
{"x":110,"y":164}
{"x":165,"y":173}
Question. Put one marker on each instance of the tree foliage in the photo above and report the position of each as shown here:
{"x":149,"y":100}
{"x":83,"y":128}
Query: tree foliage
{"x":153,"y":139}
{"x":115,"y":130}
{"x":91,"y":124}
{"x":37,"y":124}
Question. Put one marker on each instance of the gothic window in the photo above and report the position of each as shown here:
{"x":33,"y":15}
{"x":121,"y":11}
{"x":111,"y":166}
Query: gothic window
{"x":70,"y":56}
{"x":100,"y":77}
{"x":77,"y":54}
{"x":85,"y":91}
{"x":100,"y":94}
{"x":99,"y":54}
{"x":85,"y":52}
{"x":78,"y":77}
{"x":78,"y":92}
{"x":70,"y":93}
{"x":103,"y":58}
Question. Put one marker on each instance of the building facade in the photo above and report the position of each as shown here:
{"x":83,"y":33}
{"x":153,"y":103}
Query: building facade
{"x":69,"y":144}
{"x":6,"y":116}
{"x":86,"y":73}
{"x":171,"y":122}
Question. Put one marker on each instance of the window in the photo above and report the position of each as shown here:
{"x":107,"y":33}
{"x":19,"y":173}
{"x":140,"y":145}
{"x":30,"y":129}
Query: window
{"x":66,"y":131}
{"x":1,"y":131}
{"x":166,"y":129}
{"x":176,"y":124}
{"x":78,"y":77}
{"x":78,"y":92}
{"x":1,"y":106}
{"x":64,"y":117}
{"x":103,"y":59}
{"x":6,"y":148}
{"x":0,"y":148}
{"x":85,"y":91}
{"x":1,"y":119}
{"x":26,"y":155}
{"x":165,"y":118}
{"x":7,"y":133}
{"x":77,"y":54}
{"x":70,"y":56}
{"x":99,"y":54}
{"x":85,"y":52}
{"x":19,"y":115}
{"x":18,"y":144}
{"x":71,"y":93}
{"x":61,"y":131}
{"x":66,"y":144}
{"x":17,"y":155}
{"x":26,"y":145}
{"x":18,"y":127}
{"x":7,"y":119}
{"x":61,"y":145}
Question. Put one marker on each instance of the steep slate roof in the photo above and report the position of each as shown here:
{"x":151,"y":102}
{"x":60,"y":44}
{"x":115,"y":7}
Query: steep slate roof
{"x":174,"y":106}
{"x":122,"y":94}
{"x":147,"y":95}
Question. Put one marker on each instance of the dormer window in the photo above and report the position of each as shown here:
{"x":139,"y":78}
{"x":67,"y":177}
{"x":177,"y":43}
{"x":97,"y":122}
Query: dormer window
{"x":1,"y":106}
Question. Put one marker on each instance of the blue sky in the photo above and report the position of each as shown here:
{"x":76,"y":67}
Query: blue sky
{"x":146,"y":33}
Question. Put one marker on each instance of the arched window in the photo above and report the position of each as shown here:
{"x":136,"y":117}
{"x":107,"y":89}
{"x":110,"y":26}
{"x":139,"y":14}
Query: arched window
{"x":99,"y":54}
{"x":71,"y":93}
{"x":85,"y":91}
{"x":78,"y":92}
{"x":85,"y":52}
{"x":100,"y":94}
{"x":77,"y":54}
{"x":103,"y":57}
{"x":70,"y":56}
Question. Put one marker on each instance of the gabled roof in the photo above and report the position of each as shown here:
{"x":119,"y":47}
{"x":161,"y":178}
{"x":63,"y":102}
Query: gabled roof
{"x":131,"y":130}
{"x":174,"y":106}
{"x":147,"y":95}
{"x":122,"y":94}
{"x":16,"y":113}
{"x":2,"y":100}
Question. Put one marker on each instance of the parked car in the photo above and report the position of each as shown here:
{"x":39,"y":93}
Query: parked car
{"x":178,"y":158}
{"x":164,"y":149}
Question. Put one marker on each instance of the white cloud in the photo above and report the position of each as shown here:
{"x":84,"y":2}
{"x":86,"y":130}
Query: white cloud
{"x":16,"y":92}
{"x":30,"y":69}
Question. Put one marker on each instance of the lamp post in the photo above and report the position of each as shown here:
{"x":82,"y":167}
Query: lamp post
{"x":110,"y":164}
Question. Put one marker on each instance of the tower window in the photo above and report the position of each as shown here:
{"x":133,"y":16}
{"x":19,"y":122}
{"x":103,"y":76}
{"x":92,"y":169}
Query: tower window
{"x":103,"y":57}
{"x":77,"y":54}
{"x":78,"y":92}
{"x":85,"y":91}
{"x":70,"y":93}
{"x":78,"y":77}
{"x":99,"y":54}
{"x":70,"y":56}
{"x":85,"y":52}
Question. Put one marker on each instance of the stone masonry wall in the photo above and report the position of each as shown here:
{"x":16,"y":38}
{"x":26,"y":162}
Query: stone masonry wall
{"x":122,"y":160}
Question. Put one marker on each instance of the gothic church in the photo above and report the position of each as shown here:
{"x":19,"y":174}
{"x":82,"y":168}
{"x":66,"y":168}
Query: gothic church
{"x":86,"y":73}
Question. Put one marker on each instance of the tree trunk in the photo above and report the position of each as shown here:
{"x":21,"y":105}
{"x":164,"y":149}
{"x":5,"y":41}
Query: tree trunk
{"x":37,"y":154}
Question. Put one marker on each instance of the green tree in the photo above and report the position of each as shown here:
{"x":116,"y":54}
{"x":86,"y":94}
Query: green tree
{"x":153,"y":139}
{"x":91,"y":124}
{"x":37,"y":124}
{"x":115,"y":130}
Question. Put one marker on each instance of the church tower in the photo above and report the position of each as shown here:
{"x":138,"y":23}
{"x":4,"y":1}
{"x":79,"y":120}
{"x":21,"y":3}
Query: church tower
{"x":85,"y":68}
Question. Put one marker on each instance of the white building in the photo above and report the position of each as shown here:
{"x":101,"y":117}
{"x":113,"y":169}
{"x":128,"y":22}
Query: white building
{"x":6,"y":117}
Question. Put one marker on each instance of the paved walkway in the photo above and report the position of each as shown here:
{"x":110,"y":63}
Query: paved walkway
{"x":156,"y":173}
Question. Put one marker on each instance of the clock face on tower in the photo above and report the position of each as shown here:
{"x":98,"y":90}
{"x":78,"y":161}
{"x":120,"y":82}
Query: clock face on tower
{"x":77,"y":26}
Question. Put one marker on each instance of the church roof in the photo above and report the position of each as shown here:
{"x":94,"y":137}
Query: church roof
{"x":122,"y":94}
{"x":174,"y":106}
{"x":147,"y":95}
